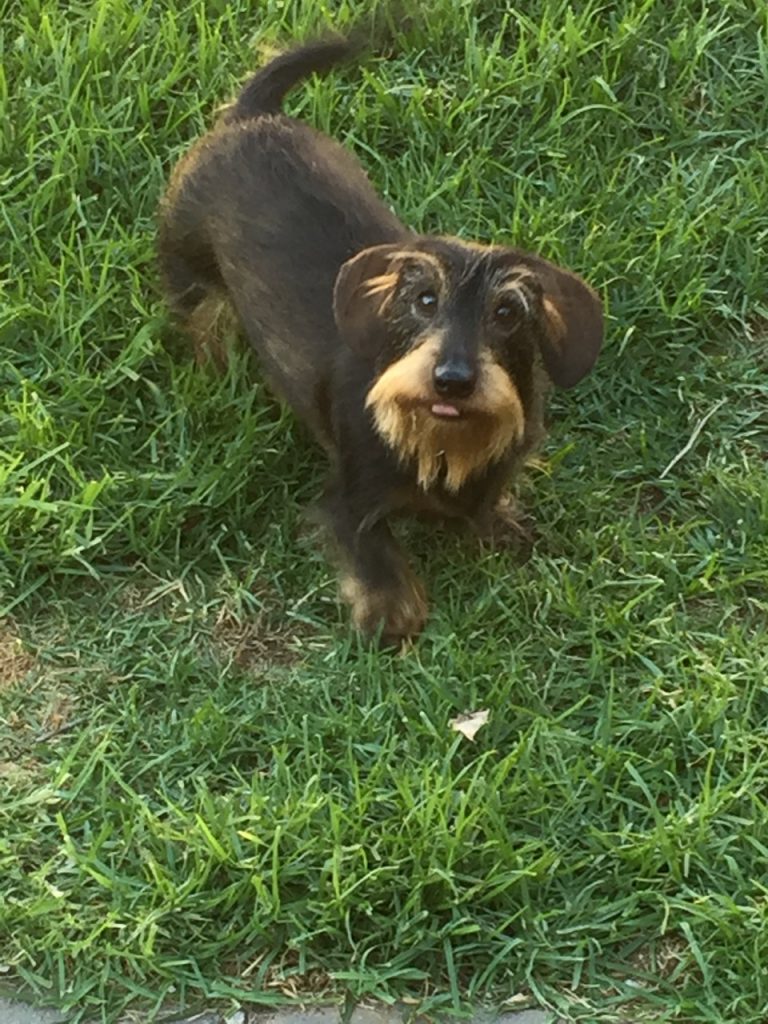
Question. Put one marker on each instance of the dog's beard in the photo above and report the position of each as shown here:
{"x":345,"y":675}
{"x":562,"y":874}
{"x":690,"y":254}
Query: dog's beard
{"x":490,"y":421}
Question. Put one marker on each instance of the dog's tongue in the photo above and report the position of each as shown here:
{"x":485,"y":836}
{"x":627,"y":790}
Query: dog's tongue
{"x":443,"y":409}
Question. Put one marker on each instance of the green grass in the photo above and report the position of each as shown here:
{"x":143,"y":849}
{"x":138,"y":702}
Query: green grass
{"x":210,"y":789}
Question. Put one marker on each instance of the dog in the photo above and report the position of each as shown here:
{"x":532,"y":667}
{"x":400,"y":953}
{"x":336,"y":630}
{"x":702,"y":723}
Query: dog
{"x":421,"y":364}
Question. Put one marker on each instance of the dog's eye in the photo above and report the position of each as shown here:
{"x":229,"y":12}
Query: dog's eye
{"x":426,"y":303}
{"x":505,"y":313}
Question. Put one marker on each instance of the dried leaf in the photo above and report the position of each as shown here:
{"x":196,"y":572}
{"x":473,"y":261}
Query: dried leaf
{"x":468,"y":724}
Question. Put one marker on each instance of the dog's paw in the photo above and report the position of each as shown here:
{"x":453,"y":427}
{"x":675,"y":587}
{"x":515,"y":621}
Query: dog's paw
{"x":391,"y":615}
{"x":508,"y":527}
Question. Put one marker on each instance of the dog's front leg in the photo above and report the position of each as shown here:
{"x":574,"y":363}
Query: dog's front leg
{"x":387,"y":599}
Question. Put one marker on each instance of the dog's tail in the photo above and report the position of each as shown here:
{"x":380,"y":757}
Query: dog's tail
{"x":263,"y":93}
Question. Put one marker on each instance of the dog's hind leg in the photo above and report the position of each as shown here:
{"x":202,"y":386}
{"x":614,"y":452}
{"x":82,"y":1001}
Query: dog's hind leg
{"x":210,"y":326}
{"x":191,"y":277}
{"x":197,"y":298}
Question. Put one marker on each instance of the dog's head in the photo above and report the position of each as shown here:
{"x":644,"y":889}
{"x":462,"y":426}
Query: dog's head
{"x":455,"y":330}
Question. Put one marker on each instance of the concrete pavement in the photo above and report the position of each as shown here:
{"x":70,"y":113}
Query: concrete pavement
{"x":13,"y":1012}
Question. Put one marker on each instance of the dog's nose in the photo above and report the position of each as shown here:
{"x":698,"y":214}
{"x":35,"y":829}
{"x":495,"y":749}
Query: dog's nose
{"x":454,"y":380}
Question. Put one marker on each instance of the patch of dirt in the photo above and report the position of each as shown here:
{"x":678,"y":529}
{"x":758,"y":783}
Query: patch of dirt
{"x":37,"y":707}
{"x":17,"y":774}
{"x":669,"y":952}
{"x":15,"y":662}
{"x":44,"y":714}
{"x":253,"y":644}
{"x":654,"y":502}
{"x":284,"y":977}
{"x":313,"y":983}
{"x":169,"y":592}
{"x":248,"y":641}
{"x":57,"y":715}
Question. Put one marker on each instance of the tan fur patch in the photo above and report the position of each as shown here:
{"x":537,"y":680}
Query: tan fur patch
{"x":555,"y":320}
{"x":385,"y":284}
{"x":382,"y":283}
{"x":516,"y":282}
{"x":210,"y":325}
{"x":419,"y":256}
{"x":492,"y":419}
{"x":400,"y":612}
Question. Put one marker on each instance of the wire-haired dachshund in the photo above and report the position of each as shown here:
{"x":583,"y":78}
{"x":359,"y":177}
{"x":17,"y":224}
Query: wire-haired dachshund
{"x":421,"y":364}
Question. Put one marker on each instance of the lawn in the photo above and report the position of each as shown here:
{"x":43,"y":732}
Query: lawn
{"x":210,"y":788}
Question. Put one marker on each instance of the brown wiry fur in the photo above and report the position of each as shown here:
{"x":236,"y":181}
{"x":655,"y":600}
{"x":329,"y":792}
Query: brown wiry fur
{"x":491,"y":420}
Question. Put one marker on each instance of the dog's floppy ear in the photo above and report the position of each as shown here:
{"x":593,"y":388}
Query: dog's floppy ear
{"x":363,"y":286}
{"x":573,"y":323}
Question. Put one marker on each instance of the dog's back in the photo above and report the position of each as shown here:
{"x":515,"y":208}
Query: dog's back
{"x":261,"y":215}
